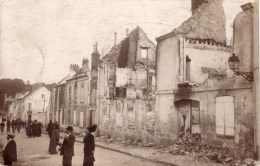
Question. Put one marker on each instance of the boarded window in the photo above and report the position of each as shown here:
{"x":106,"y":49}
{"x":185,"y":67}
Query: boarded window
{"x":225,"y":121}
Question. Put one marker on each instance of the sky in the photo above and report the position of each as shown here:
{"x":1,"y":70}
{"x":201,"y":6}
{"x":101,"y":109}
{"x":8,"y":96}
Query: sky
{"x":40,"y":38}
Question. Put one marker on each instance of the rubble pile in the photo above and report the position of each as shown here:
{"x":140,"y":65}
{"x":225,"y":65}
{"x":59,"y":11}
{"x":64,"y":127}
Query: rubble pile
{"x":187,"y":145}
{"x":191,"y":145}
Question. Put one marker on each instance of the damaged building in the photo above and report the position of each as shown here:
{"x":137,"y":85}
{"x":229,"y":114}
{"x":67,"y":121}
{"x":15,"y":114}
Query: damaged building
{"x":200,"y":93}
{"x":126,"y":84}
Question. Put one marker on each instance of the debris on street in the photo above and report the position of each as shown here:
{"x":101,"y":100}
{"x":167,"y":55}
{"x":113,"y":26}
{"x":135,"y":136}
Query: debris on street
{"x":190,"y":145}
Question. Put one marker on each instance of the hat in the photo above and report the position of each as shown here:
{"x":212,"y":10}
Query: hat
{"x":10,"y":135}
{"x":69,"y":128}
{"x":92,"y":128}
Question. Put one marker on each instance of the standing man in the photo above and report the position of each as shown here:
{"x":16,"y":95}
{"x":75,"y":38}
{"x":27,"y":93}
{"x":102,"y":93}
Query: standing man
{"x":49,"y":128}
{"x":8,"y":124}
{"x":89,"y":146}
{"x":13,"y":124}
{"x":9,"y":150}
{"x":2,"y":126}
{"x":67,"y":147}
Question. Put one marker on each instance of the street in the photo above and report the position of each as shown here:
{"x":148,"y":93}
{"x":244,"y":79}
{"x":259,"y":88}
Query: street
{"x":34,"y":152}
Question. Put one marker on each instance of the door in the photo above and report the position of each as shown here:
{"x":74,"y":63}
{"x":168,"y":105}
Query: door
{"x":92,"y":117}
{"x":184,"y":122}
{"x":184,"y":117}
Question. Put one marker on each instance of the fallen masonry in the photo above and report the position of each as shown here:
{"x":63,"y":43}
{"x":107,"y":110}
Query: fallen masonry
{"x":187,"y":145}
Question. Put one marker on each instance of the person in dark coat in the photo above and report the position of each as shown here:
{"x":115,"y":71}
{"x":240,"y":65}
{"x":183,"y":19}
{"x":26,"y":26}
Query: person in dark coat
{"x":89,"y":146}
{"x":18,"y":125}
{"x":49,"y":128}
{"x":9,"y":150}
{"x":34,"y":128}
{"x":2,"y":126}
{"x":39,"y":129}
{"x":13,"y":124}
{"x":67,"y":147}
{"x":8,"y":124}
{"x":54,"y":139}
{"x":29,"y":129}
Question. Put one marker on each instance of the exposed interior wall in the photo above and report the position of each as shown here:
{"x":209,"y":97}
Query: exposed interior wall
{"x":127,"y":119}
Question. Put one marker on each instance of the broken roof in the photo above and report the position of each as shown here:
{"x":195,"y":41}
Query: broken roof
{"x":114,"y":53}
{"x":208,"y":22}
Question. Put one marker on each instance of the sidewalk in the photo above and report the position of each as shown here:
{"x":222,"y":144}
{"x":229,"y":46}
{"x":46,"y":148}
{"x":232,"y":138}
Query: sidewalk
{"x":151,"y":154}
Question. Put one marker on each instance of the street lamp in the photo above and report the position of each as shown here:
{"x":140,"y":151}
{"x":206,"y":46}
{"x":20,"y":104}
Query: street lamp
{"x":233,"y":63}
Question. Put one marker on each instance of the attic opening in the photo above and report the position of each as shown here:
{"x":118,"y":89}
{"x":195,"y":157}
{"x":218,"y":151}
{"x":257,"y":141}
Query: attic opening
{"x":123,"y":55}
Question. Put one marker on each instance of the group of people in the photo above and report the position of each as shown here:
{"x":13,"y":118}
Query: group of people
{"x":15,"y":124}
{"x":34,"y":128}
{"x":66,"y":148}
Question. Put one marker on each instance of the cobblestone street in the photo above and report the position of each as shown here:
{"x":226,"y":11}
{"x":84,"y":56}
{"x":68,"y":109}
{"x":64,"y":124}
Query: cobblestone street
{"x":34,"y":152}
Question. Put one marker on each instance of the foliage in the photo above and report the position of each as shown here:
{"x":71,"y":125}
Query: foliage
{"x":10,"y":88}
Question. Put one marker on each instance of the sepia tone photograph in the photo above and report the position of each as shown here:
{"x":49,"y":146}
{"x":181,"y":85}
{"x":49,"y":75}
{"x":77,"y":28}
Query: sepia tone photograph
{"x":129,"y":83}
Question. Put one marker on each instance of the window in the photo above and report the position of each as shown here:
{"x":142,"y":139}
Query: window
{"x":195,"y":112}
{"x":75,"y":93}
{"x":82,"y":85}
{"x":69,"y":93}
{"x":120,"y":92}
{"x":144,"y":53}
{"x":225,"y":116}
{"x":29,"y":106}
{"x":188,"y":60}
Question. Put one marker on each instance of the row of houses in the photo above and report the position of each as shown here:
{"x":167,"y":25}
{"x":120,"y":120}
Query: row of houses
{"x":155,"y":93}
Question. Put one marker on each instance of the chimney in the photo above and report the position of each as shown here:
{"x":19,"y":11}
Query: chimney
{"x":195,"y":4}
{"x":247,"y":6}
{"x":115,"y":38}
{"x":74,"y":67}
{"x":85,"y":65}
{"x":127,"y":32}
{"x":85,"y":62}
{"x":96,"y":47}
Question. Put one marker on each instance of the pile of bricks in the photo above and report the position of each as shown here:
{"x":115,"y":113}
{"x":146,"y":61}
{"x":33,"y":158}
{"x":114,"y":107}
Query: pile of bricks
{"x":191,"y":145}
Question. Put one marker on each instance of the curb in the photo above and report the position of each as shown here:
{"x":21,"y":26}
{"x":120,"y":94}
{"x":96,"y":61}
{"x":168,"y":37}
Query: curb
{"x":130,"y":154}
{"x":127,"y":153}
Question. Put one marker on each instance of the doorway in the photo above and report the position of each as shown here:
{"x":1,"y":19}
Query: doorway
{"x":92,"y":117}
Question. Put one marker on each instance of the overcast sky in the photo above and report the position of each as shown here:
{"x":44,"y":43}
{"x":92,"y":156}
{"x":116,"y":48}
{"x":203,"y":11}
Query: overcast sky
{"x":41,"y":38}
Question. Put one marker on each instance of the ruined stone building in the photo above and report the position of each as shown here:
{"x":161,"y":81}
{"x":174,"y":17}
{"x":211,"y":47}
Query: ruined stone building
{"x":125,"y":89}
{"x":199,"y":93}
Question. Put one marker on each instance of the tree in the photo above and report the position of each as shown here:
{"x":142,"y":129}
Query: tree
{"x":10,"y":88}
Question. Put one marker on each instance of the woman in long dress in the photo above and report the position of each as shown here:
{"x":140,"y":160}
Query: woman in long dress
{"x":54,"y":139}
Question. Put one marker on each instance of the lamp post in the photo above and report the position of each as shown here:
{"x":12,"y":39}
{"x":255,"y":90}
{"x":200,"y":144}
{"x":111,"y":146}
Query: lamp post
{"x":233,"y":63}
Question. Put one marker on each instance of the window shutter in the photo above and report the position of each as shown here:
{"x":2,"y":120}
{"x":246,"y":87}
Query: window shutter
{"x":220,"y":115}
{"x":229,"y":116}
